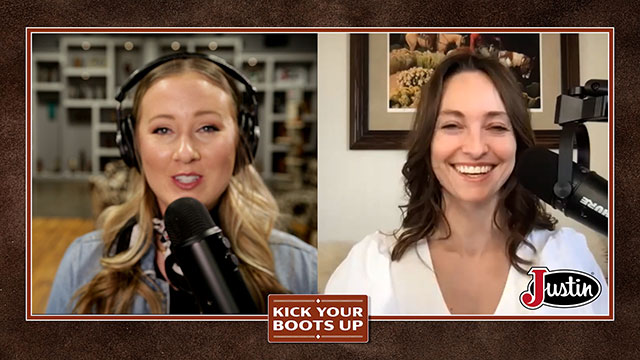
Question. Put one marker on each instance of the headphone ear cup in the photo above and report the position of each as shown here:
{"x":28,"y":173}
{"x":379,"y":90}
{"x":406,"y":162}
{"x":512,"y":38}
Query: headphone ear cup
{"x":124,"y":140}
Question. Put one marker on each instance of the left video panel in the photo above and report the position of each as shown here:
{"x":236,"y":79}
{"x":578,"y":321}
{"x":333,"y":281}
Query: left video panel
{"x":227,"y":119}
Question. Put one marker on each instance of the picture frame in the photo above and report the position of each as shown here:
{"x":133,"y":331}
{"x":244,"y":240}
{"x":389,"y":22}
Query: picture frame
{"x":413,"y":56}
{"x":363,"y":136}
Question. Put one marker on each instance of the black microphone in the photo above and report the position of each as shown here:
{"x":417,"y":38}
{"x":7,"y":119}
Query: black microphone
{"x":205,"y":258}
{"x":587,"y":202}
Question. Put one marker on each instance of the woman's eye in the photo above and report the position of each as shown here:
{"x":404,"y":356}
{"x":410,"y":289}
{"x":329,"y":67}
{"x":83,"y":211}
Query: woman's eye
{"x":450,"y":126}
{"x":210,"y":128}
{"x":499,"y":128}
{"x":161,"y":130}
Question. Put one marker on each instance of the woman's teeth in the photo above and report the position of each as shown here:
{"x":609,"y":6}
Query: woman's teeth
{"x":187,"y":179}
{"x":473,"y":170}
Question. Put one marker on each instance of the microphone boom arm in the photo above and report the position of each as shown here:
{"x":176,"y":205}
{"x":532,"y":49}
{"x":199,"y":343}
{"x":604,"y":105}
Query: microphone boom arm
{"x":583,"y":103}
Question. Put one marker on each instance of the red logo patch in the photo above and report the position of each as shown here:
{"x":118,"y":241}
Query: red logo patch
{"x":559,"y":288}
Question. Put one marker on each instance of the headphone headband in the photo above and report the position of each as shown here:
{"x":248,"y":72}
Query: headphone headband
{"x":247,"y":112}
{"x":139,"y":74}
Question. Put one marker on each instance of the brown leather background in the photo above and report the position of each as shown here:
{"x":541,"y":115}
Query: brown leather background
{"x":430,"y":339}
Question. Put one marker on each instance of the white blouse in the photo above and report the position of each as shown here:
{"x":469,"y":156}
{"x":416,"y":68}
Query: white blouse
{"x":409,"y":286}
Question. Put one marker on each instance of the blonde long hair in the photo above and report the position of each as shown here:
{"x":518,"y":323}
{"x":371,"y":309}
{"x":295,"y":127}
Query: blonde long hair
{"x":247,"y":213}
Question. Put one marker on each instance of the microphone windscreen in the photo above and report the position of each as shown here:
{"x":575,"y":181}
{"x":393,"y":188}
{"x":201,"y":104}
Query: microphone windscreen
{"x":537,"y":171}
{"x":186,"y":217}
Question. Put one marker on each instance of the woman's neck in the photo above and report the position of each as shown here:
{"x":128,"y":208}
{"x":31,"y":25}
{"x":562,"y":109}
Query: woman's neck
{"x":472,"y":227}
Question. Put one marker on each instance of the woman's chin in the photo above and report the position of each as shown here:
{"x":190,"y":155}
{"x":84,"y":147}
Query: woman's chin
{"x":475,"y":199}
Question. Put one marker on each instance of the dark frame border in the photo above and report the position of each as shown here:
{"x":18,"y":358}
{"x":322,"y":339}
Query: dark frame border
{"x":362,"y":138}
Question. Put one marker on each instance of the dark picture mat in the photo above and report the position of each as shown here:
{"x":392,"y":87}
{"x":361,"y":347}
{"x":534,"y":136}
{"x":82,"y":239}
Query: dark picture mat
{"x":522,"y":339}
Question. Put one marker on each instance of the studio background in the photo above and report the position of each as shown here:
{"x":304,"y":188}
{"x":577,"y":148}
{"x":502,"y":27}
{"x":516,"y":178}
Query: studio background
{"x":360,"y":190}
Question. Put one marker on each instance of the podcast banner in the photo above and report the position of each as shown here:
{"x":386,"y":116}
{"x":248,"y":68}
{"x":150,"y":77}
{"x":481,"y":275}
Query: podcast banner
{"x":318,"y":318}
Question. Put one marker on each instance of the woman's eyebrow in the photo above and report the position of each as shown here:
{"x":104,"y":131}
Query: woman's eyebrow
{"x":455,"y":113}
{"x":487,"y":115}
{"x":207,"y":112}
{"x":495,"y":113}
{"x":196,"y":114}
{"x":161,"y":116}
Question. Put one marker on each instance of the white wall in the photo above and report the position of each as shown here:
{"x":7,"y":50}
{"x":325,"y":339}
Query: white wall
{"x":359,"y":190}
{"x":594,"y":64}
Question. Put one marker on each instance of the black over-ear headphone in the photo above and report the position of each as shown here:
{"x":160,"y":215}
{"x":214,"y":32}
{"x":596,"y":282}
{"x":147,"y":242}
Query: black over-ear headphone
{"x":247,"y":112}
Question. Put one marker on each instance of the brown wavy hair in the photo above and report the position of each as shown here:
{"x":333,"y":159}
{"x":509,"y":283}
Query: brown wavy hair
{"x":521,"y":210}
{"x":246,"y":209}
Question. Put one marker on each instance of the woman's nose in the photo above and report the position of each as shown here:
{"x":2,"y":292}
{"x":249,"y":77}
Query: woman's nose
{"x":475,"y":144}
{"x":186,"y":151}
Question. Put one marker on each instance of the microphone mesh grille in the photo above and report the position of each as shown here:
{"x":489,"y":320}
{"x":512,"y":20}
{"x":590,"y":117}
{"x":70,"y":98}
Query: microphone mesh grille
{"x":537,"y":171}
{"x":186,"y":217}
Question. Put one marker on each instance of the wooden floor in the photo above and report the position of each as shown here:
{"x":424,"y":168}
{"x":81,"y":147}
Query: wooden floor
{"x":50,"y":238}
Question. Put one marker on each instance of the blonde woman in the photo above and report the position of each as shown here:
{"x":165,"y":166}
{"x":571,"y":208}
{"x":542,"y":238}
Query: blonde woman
{"x":191,"y":134}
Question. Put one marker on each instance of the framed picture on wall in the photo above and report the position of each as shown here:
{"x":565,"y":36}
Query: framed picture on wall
{"x":412,"y":58}
{"x":376,"y":124}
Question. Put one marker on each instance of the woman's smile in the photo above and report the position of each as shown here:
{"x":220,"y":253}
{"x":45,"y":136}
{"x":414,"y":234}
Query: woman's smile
{"x":187,"y":181}
{"x":473,"y":172}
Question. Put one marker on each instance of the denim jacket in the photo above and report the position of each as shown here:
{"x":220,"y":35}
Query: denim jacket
{"x":295,"y":268}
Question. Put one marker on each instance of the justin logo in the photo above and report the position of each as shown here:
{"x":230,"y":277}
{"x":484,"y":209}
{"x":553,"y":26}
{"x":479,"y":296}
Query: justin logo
{"x":559,"y":288}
